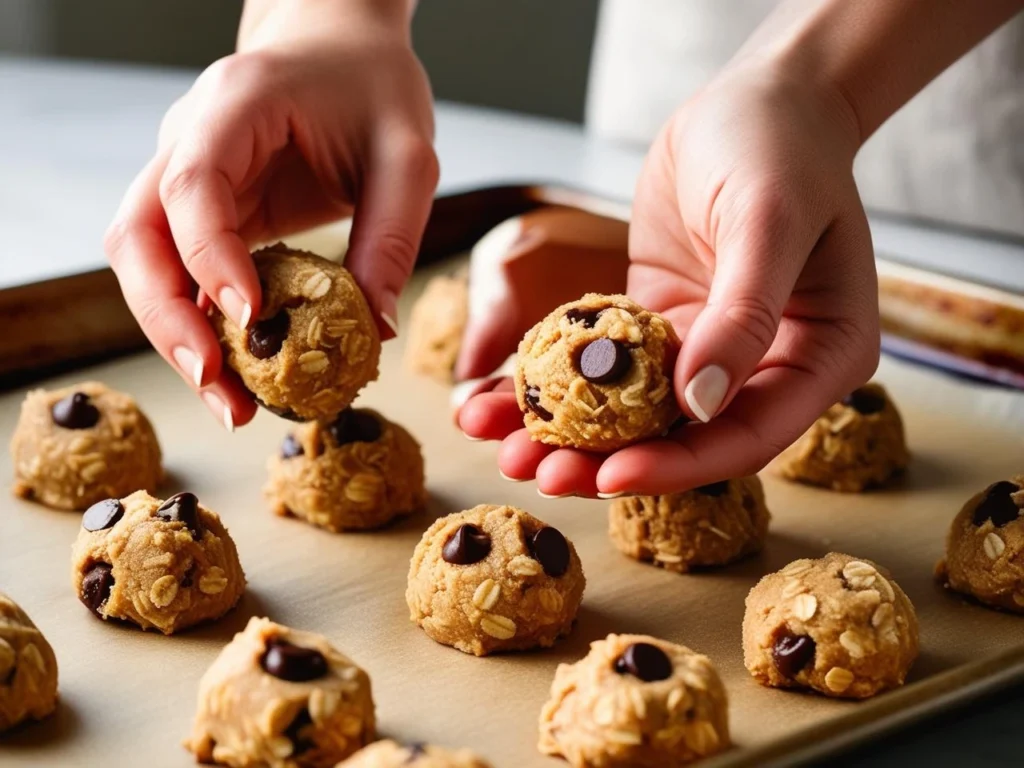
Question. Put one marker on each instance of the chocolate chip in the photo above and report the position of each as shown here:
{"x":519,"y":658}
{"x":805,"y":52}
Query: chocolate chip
{"x":290,"y":448}
{"x":466,"y":546}
{"x":75,"y":412}
{"x":532,"y":398}
{"x":188,"y":579}
{"x":714,"y":489}
{"x":284,"y":413}
{"x":549,"y":548}
{"x":791,"y":653}
{"x":292,"y":662}
{"x":267,"y":336}
{"x":645,"y":661}
{"x":605,"y":361}
{"x":355,"y":427}
{"x":96,"y":586}
{"x":586,"y":317}
{"x":182,"y":507}
{"x":293,"y":732}
{"x":102,"y":515}
{"x":997,"y":505}
{"x":865,"y":401}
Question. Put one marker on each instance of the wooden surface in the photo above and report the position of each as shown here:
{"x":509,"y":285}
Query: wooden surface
{"x":128,"y":697}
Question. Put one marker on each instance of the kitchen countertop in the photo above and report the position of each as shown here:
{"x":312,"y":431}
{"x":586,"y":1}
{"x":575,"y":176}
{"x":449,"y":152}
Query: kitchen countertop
{"x":73,"y":135}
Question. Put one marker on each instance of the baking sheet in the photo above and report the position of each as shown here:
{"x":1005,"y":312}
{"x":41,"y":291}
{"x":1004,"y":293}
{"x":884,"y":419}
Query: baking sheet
{"x":128,"y":697}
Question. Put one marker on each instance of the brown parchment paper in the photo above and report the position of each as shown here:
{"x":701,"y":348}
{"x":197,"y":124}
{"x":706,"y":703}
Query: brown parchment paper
{"x":128,"y":697}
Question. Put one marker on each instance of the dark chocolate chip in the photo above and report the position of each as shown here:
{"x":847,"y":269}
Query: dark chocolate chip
{"x":292,"y":662}
{"x":182,"y":507}
{"x":791,"y":653}
{"x":549,"y":548}
{"x":466,"y":546}
{"x":188,"y":579}
{"x":865,"y":401}
{"x":714,"y":489}
{"x":14,"y":669}
{"x":997,"y":505}
{"x":294,"y":732}
{"x":291,"y":448}
{"x":532,"y":398}
{"x":96,"y":586}
{"x":102,"y":515}
{"x":587,"y":317}
{"x":645,"y":661}
{"x":267,"y":336}
{"x":355,"y":427}
{"x":284,"y":413}
{"x":75,"y":412}
{"x":605,"y":361}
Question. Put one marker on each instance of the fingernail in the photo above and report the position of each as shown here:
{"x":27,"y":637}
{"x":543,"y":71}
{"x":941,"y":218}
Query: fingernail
{"x":472,"y":439}
{"x":612,"y":495}
{"x":389,"y":310}
{"x":551,"y":496}
{"x":510,"y":479}
{"x":219,"y":409}
{"x":235,"y":307}
{"x":706,"y":391}
{"x":190,"y":364}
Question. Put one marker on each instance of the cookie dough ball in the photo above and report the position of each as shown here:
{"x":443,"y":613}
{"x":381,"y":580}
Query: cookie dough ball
{"x":360,"y":471}
{"x":985,"y":547}
{"x":436,"y":326}
{"x":315,"y":343}
{"x":281,"y":698}
{"x":28,"y":668}
{"x":78,"y":445}
{"x":856,"y":444}
{"x":596,"y":374}
{"x":635,"y":701}
{"x":494,"y":578}
{"x":711,"y":525}
{"x":163,"y":565}
{"x":837,"y":625}
{"x":390,"y":754}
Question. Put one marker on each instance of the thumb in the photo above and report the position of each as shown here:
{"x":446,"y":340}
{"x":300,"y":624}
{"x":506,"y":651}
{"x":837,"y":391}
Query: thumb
{"x":390,"y":216}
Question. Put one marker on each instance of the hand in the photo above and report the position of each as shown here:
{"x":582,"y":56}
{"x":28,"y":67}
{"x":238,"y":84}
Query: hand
{"x":749,"y":235}
{"x":323,"y":110}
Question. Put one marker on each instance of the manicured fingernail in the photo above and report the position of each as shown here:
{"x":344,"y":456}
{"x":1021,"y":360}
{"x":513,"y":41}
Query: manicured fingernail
{"x":510,"y":479}
{"x":472,"y":439}
{"x":706,"y":391}
{"x":612,"y":495}
{"x":219,"y":409}
{"x":190,"y":364}
{"x":235,"y":307}
{"x":552,"y":496}
{"x":389,"y":310}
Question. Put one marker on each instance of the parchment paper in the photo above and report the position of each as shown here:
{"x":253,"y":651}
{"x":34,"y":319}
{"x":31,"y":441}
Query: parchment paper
{"x":128,"y":697}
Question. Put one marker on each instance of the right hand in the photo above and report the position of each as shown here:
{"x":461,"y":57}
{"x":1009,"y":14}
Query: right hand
{"x":324,"y":110}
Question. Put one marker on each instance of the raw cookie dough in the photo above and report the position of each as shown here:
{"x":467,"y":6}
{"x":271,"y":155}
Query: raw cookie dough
{"x":436,"y":325}
{"x":635,"y":701}
{"x":28,"y":668}
{"x":360,"y":471}
{"x":837,"y":625}
{"x":985,"y":547}
{"x":77,"y":445}
{"x":315,"y":343}
{"x":281,"y":698}
{"x":711,"y":525}
{"x":596,"y":374}
{"x":391,"y":754}
{"x":494,"y":578}
{"x":856,"y":444}
{"x":162,"y":565}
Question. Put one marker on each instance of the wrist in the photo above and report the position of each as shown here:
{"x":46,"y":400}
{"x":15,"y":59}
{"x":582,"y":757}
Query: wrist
{"x":266,"y":21}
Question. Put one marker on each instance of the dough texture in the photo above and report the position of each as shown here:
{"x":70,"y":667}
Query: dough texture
{"x":435,"y":328}
{"x":315,"y":343}
{"x":985,"y":547}
{"x":390,"y":754}
{"x":855,"y":445}
{"x":359,"y":472}
{"x":638,"y":702}
{"x":163,"y":565}
{"x":713,"y":525}
{"x":281,"y":698}
{"x":596,"y":374}
{"x":494,"y":578}
{"x":77,"y":445}
{"x":28,"y":668}
{"x":837,"y":625}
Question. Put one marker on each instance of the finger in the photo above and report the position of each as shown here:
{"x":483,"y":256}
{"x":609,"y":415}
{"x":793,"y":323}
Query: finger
{"x":389,"y":220}
{"x":487,"y":342}
{"x":466,"y":390}
{"x":519,"y":456}
{"x":567,"y":472}
{"x":491,"y":416}
{"x":229,"y":401}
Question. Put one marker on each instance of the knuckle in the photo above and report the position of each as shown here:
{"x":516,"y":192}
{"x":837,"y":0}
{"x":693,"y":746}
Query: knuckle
{"x":178,"y":182}
{"x":114,"y":239}
{"x":416,"y":155}
{"x":197,"y":254}
{"x":148,"y":313}
{"x":753,"y":322}
{"x":237,"y":70}
{"x":398,"y":248}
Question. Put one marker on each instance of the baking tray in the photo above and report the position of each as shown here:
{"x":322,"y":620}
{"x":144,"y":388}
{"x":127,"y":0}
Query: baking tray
{"x":128,"y":697}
